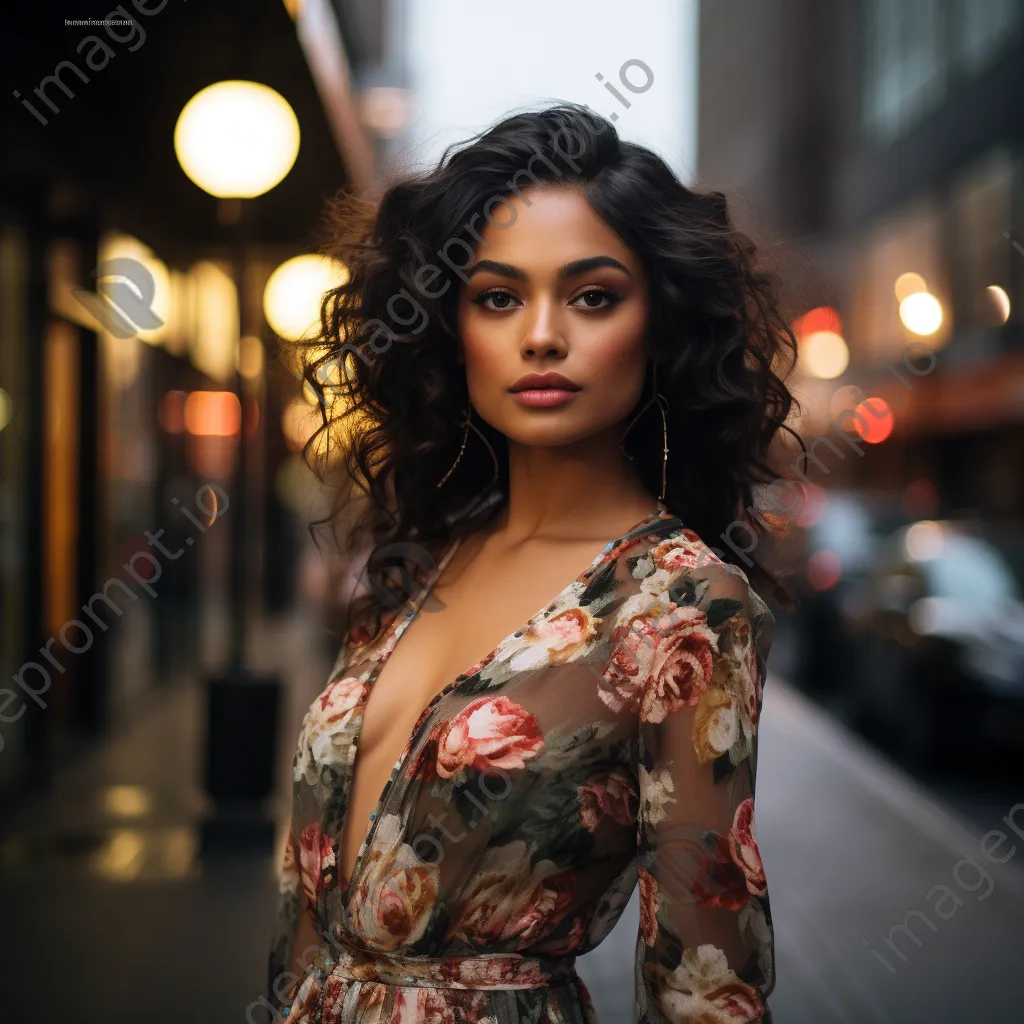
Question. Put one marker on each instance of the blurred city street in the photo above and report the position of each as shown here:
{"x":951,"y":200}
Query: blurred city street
{"x":166,"y":617}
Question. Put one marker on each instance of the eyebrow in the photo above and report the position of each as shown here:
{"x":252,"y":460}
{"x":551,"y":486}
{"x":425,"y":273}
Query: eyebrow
{"x":571,"y":269}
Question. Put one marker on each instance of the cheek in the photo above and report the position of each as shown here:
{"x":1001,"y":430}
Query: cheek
{"x":483,"y":351}
{"x":618,"y":358}
{"x":490,"y":347}
{"x":617,"y":362}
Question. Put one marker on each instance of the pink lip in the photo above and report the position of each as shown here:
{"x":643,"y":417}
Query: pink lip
{"x":543,"y":398}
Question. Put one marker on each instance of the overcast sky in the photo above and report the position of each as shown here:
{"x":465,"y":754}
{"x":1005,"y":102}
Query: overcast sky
{"x":473,"y":61}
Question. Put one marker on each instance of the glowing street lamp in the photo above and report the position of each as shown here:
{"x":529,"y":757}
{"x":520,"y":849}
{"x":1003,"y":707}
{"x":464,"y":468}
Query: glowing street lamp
{"x":294,"y":292}
{"x":237,"y":140}
{"x":921,"y":313}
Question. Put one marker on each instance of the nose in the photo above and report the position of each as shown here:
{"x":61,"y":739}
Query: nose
{"x":543,"y":334}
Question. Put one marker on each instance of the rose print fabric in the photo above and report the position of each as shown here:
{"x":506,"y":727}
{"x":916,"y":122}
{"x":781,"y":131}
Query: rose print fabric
{"x":609,"y":743}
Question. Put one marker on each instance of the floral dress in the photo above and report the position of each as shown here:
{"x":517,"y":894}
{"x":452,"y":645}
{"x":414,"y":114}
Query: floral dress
{"x":610,"y":741}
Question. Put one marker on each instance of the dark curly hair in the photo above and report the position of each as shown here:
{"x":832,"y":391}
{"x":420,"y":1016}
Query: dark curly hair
{"x":384,"y":365}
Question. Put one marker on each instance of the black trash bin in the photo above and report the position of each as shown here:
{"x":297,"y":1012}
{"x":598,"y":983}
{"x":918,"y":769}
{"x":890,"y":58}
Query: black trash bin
{"x":242,"y":716}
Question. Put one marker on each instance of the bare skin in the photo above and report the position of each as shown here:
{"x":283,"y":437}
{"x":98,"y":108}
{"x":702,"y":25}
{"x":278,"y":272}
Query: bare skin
{"x":570,"y":488}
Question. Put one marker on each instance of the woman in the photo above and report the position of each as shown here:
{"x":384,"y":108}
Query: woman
{"x":545,"y":342}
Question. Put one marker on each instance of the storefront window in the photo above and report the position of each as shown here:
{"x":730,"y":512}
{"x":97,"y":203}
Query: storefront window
{"x":904,"y":66}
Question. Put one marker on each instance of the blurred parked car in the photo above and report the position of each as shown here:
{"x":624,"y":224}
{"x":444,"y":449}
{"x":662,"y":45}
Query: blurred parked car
{"x":939,"y":641}
{"x":842,"y":533}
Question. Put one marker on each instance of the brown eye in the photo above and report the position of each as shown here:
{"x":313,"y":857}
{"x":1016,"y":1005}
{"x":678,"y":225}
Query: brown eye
{"x":502,"y":300}
{"x":596,"y":298}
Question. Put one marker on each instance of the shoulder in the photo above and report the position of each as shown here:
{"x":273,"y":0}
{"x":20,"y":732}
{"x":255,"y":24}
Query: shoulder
{"x":680,"y":592}
{"x":691,"y":635}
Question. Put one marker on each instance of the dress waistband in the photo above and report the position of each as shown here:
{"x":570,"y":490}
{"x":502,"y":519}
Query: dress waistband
{"x":482,"y":971}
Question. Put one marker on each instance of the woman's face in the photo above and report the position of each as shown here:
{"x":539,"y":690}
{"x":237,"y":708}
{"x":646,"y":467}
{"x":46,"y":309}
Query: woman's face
{"x":557,"y":291}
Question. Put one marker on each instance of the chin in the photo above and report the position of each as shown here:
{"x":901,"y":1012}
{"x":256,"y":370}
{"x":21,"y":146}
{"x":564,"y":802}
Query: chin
{"x":550,"y":435}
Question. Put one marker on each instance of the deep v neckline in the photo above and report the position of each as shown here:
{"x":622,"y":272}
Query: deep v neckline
{"x":399,"y":625}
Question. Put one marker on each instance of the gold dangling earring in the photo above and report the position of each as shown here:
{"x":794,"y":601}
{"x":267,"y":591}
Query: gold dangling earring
{"x":662,"y":402}
{"x":465,"y":437}
{"x":663,"y":406}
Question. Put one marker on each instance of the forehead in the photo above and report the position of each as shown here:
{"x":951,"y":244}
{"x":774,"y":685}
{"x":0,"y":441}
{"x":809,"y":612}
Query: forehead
{"x":549,"y":226}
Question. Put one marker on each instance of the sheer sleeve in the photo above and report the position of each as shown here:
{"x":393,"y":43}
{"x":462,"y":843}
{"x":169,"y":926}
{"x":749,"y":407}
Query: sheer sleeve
{"x":705,"y":945}
{"x":286,"y":924}
{"x":281,"y":973}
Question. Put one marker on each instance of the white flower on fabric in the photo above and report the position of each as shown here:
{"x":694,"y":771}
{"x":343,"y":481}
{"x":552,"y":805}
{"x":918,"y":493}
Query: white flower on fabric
{"x":705,"y":988}
{"x":321,"y":740}
{"x":655,"y":790}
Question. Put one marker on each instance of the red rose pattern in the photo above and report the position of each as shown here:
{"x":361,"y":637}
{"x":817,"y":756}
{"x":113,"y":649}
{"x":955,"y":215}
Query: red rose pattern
{"x":491,"y":732}
{"x":317,"y":861}
{"x":609,"y":794}
{"x":743,"y":848}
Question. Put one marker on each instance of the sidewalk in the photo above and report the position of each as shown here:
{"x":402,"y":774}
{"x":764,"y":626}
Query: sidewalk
{"x":145,"y":931}
{"x":851,"y":847}
{"x":110,"y":913}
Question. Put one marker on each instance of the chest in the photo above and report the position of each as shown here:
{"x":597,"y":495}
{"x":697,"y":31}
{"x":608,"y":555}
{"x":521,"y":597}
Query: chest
{"x":460,"y":623}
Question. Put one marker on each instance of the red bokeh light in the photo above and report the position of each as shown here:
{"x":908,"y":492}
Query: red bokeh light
{"x":821,"y":318}
{"x":824,"y":570}
{"x":873,"y":420}
{"x":213,"y":413}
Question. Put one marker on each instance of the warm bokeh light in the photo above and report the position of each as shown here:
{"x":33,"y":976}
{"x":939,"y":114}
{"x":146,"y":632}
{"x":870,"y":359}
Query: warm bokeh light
{"x":908,"y":284}
{"x":994,"y":306}
{"x":121,"y":857}
{"x":237,"y":139}
{"x":125,"y":246}
{"x":127,"y":801}
{"x":873,"y":420}
{"x":213,"y":413}
{"x":299,"y":422}
{"x":6,"y":408}
{"x":328,"y":377}
{"x":213,"y":320}
{"x":923,"y":540}
{"x":174,"y":336}
{"x":822,"y":351}
{"x":921,"y":313}
{"x":251,"y":357}
{"x":133,"y":300}
{"x":823,"y":354}
{"x":824,"y":570}
{"x":295,"y":291}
